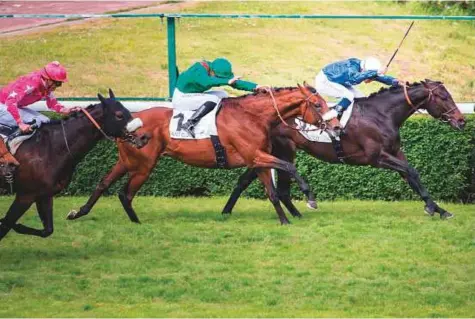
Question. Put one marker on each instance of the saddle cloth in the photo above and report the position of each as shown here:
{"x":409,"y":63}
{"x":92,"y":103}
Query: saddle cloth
{"x":316,"y":135}
{"x":15,"y":143}
{"x":204,"y":129}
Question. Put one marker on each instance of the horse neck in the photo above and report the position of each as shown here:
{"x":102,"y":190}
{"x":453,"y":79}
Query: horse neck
{"x":396,"y":108}
{"x":288,"y":104}
{"x":81,"y":134}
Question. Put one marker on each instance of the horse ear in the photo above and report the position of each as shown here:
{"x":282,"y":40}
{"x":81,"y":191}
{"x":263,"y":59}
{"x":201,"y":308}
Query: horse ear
{"x":111,"y":94}
{"x":101,"y":98}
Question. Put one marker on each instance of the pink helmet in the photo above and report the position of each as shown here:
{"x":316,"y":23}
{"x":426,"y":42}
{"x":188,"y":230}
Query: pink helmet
{"x":55,"y":71}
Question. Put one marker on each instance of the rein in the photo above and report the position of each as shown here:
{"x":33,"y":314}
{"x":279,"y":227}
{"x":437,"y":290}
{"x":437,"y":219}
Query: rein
{"x":96,"y":124}
{"x":282,"y":119}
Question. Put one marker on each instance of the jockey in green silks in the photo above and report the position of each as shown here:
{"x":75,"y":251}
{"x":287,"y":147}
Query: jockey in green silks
{"x":191,"y":92}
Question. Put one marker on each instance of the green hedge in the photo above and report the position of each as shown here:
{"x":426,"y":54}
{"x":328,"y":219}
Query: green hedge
{"x":445,"y":159}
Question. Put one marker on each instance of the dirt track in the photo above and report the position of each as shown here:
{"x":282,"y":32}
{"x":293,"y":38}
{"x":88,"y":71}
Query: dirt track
{"x":16,"y":26}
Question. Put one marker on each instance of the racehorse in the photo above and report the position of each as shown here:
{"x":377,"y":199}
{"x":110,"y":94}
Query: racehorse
{"x":371,"y":138}
{"x":48,"y":159}
{"x":244,"y":124}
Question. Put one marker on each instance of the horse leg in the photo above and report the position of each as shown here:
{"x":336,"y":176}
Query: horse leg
{"x":19,"y":206}
{"x":266,"y":160}
{"x":126,"y":196}
{"x":116,"y":173}
{"x":266,"y":178}
{"x":244,"y":181}
{"x":411,"y":175}
{"x":44,"y":206}
{"x":283,"y":189}
{"x":415,"y":183}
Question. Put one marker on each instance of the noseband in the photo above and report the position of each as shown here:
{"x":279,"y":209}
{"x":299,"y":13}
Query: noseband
{"x":444,"y":117}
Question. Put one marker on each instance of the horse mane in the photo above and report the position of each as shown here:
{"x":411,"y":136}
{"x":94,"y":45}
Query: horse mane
{"x":391,"y":89}
{"x":70,"y":117}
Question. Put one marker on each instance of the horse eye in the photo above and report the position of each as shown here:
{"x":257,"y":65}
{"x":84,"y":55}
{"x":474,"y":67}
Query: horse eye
{"x":119,"y":115}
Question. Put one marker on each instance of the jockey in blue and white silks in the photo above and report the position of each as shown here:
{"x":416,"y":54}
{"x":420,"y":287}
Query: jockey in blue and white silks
{"x":337,"y":80}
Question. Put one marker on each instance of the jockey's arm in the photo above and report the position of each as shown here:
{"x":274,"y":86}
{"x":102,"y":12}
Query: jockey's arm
{"x":244,"y":85}
{"x":17,"y":93}
{"x":53,"y":104}
{"x":358,"y":77}
{"x":386,"y":79}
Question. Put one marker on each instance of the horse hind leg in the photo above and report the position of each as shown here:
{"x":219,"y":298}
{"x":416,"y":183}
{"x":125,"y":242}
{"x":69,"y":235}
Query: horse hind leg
{"x":19,"y":206}
{"x":114,"y":174}
{"x":243,"y":183}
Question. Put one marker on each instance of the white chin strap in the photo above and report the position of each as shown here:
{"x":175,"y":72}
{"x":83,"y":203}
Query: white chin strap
{"x":134,"y":125}
{"x":329,"y":115}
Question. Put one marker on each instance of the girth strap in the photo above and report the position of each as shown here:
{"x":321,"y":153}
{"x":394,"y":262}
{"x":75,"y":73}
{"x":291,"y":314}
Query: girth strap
{"x":336,"y":142}
{"x":221,"y":158}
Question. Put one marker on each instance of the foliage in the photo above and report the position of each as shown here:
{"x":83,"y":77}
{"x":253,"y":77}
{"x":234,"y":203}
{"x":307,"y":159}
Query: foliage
{"x":444,"y":158}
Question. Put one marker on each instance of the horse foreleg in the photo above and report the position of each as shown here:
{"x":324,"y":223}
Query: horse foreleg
{"x":415,"y":183}
{"x":265,"y":160}
{"x":244,"y":181}
{"x":283,"y":189}
{"x":411,"y":176}
{"x":19,"y":206}
{"x":266,"y":178}
{"x":44,"y":206}
{"x":127,"y":195}
{"x":114,"y":174}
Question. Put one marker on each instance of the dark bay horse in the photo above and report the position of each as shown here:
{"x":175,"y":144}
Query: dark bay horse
{"x":371,"y":138}
{"x":48,"y":159}
{"x":244,"y":125}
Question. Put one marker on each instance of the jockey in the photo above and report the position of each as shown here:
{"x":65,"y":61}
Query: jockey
{"x":26,"y":90}
{"x":191,"y":92}
{"x":337,"y":80}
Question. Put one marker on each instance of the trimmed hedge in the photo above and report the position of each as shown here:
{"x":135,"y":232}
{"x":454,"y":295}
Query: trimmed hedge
{"x":444,"y":157}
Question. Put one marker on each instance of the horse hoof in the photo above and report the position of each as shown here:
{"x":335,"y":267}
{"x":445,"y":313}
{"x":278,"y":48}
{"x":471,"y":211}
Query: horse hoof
{"x":72,"y":214}
{"x":312,"y":204}
{"x":284,"y":222}
{"x":446,"y":215}
{"x":429,"y":210}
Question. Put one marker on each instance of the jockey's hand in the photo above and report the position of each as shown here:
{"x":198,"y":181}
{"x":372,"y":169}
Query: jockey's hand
{"x":383,"y":71}
{"x":234,"y":79}
{"x":401,"y":83}
{"x":66,"y":111}
{"x":262,"y":88}
{"x":25,"y":128}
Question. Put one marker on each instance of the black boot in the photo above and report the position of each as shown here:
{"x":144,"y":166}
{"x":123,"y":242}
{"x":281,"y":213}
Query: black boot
{"x":197,"y":116}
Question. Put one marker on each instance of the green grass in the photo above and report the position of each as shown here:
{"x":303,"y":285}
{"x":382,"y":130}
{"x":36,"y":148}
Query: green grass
{"x":348,"y":259}
{"x":130,"y":55}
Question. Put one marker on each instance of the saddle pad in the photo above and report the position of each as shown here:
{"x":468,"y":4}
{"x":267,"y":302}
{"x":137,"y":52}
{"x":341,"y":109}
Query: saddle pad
{"x":14,"y":144}
{"x":204,"y":129}
{"x":311,"y":133}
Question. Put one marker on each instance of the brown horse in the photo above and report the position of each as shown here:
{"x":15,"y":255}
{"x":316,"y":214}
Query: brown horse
{"x":244,"y":125}
{"x":48,"y":160}
{"x":371,"y":138}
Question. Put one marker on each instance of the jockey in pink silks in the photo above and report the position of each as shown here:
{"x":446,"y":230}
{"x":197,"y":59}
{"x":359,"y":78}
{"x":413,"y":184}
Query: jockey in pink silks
{"x":26,"y":90}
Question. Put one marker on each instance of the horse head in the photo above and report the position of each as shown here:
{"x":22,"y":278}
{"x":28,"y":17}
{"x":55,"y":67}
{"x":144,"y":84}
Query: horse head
{"x":118,"y":122}
{"x":314,"y":107}
{"x":440,"y":104}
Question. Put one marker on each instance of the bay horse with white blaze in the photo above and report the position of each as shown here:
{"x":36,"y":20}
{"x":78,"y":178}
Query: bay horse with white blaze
{"x":371,"y":138}
{"x":244,"y":126}
{"x":48,"y":159}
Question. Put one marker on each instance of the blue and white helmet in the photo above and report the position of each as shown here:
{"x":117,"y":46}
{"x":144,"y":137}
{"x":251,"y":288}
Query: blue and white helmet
{"x":371,"y":64}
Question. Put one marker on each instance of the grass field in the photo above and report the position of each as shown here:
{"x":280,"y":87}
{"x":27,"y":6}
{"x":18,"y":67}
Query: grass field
{"x":130,"y":55}
{"x":348,"y":259}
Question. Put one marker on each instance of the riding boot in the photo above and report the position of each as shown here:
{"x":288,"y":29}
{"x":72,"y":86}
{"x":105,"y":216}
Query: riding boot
{"x":6,"y":158}
{"x":197,"y":116}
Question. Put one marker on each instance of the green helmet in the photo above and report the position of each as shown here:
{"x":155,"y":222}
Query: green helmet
{"x":222,"y":68}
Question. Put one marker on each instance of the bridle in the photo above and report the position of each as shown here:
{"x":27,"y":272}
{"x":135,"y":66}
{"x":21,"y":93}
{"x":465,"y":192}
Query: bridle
{"x":307,"y":104}
{"x":444,"y":117}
